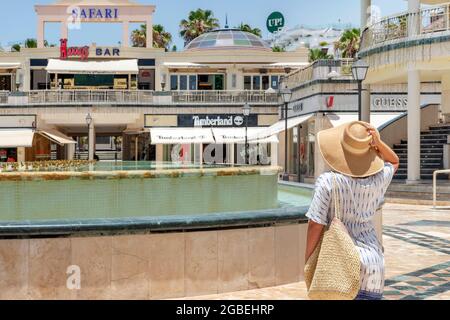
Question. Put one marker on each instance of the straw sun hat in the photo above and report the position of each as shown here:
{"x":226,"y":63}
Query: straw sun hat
{"x":347,"y":150}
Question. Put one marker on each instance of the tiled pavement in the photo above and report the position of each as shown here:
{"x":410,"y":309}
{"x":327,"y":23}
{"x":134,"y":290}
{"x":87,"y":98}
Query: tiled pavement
{"x":417,"y":255}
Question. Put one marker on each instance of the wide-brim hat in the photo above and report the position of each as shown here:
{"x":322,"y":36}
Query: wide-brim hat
{"x":347,"y":150}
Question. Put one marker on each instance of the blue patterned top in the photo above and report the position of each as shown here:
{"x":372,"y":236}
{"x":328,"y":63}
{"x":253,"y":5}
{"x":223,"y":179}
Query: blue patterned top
{"x":359,"y":199}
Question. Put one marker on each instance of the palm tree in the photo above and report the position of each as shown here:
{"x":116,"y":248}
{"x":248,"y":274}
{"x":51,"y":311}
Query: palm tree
{"x":318,"y":54}
{"x":29,"y":43}
{"x":278,"y":49}
{"x":161,"y":38}
{"x":198,"y":22}
{"x":16,"y":47}
{"x":246,"y":28}
{"x":348,"y":44}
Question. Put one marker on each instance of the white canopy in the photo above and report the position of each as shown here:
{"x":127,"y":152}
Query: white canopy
{"x":89,"y":67}
{"x":57,"y":137}
{"x":278,"y":127}
{"x":181,"y":135}
{"x":9,"y":65}
{"x":15,"y":138}
{"x":237,"y":135}
{"x":377,"y":119}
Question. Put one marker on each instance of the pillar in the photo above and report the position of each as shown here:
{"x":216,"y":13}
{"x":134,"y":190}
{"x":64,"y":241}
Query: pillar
{"x":365,"y":12}
{"x":149,"y":37}
{"x":21,"y":154}
{"x":91,"y":141}
{"x":413,"y":125}
{"x":365,"y":16}
{"x":70,"y":151}
{"x":126,"y":34}
{"x":274,"y":154}
{"x":414,"y":18}
{"x":40,"y":33}
{"x":64,"y":30}
{"x":445,"y":98}
{"x":365,"y":103}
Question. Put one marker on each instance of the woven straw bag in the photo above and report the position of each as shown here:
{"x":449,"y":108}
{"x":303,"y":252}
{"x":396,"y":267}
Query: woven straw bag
{"x":333,"y":270}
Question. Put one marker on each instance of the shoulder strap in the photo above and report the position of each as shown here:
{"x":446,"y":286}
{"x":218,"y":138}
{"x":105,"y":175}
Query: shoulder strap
{"x":337,"y":211}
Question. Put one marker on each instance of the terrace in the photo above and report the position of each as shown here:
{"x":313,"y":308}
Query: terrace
{"x":429,"y":23}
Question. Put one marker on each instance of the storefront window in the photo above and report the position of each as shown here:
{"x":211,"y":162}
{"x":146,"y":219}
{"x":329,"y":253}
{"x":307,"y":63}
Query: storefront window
{"x":274,"y":82}
{"x":311,"y":147}
{"x":265,"y":82}
{"x":247,"y":83}
{"x":5,"y":82}
{"x":174,"y":82}
{"x":193,"y":82}
{"x":183,"y":82}
{"x":256,"y":83}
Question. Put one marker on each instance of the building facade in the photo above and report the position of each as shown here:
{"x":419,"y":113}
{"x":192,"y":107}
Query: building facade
{"x":129,"y":91}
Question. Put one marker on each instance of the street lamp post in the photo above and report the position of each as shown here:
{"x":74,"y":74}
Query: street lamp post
{"x":89,"y":122}
{"x":246,"y":111}
{"x":286,"y":95}
{"x":359,"y":71}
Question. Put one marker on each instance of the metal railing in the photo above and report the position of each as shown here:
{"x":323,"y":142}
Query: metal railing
{"x":232,"y":97}
{"x":135,"y":97}
{"x":320,"y":70}
{"x":435,"y":173}
{"x":403,"y":25}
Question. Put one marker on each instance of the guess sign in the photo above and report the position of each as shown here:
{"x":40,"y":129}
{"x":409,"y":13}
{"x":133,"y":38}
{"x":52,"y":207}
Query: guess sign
{"x":67,"y":52}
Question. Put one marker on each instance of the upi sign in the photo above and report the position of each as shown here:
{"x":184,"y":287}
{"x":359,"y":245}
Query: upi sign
{"x":275,"y":22}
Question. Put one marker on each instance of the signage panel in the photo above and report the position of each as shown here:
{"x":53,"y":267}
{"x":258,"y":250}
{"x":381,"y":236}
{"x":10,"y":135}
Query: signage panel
{"x":216,"y":120}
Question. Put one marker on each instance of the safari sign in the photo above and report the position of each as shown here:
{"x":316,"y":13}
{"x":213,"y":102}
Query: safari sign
{"x":275,"y":22}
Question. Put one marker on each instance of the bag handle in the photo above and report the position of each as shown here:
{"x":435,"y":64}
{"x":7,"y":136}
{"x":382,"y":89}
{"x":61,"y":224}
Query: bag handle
{"x":337,"y":209}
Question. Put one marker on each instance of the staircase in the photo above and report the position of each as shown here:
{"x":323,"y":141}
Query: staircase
{"x":431,"y":153}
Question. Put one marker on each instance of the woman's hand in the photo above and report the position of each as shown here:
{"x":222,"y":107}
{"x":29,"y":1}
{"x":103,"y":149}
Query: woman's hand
{"x":376,"y":139}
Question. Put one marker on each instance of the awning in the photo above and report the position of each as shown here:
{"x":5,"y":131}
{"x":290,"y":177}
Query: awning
{"x":377,"y":119}
{"x":9,"y":65}
{"x":57,"y":137}
{"x":181,"y":135}
{"x":16,"y":138}
{"x":237,"y":135}
{"x":89,"y":67}
{"x":184,"y":65}
{"x":280,"y":126}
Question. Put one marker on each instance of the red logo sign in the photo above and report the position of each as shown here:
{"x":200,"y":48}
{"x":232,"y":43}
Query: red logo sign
{"x":330,"y":101}
{"x":65,"y":52}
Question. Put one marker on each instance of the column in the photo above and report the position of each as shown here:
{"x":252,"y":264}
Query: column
{"x":274,"y":154}
{"x":365,"y":13}
{"x":64,"y":30}
{"x":365,"y":16}
{"x":445,"y":98}
{"x":414,"y":18}
{"x":91,"y":141}
{"x":70,"y":151}
{"x":365,"y":103}
{"x":125,"y":33}
{"x":40,"y":33}
{"x":413,"y":125}
{"x":21,"y":154}
{"x":149,"y":37}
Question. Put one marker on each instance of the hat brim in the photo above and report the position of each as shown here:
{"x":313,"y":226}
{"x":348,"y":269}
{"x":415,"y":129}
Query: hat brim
{"x":342,"y":161}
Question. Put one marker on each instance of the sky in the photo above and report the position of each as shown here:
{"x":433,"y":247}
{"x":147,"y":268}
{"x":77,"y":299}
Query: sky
{"x":18,"y":19}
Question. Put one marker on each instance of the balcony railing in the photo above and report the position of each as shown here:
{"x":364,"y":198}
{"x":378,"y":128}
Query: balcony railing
{"x":321,"y":70}
{"x":427,"y":20}
{"x":134,"y":97}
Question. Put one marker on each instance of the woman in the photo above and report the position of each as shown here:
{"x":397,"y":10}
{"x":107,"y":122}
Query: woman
{"x":363,"y":166}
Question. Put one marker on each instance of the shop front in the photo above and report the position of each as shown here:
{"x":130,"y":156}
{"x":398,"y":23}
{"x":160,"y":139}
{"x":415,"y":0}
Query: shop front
{"x":211,"y":138}
{"x":311,"y":114}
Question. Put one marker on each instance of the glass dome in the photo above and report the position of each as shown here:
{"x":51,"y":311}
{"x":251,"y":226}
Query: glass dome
{"x":228,"y":39}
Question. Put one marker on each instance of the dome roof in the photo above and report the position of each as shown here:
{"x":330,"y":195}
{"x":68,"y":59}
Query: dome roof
{"x":228,"y":39}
